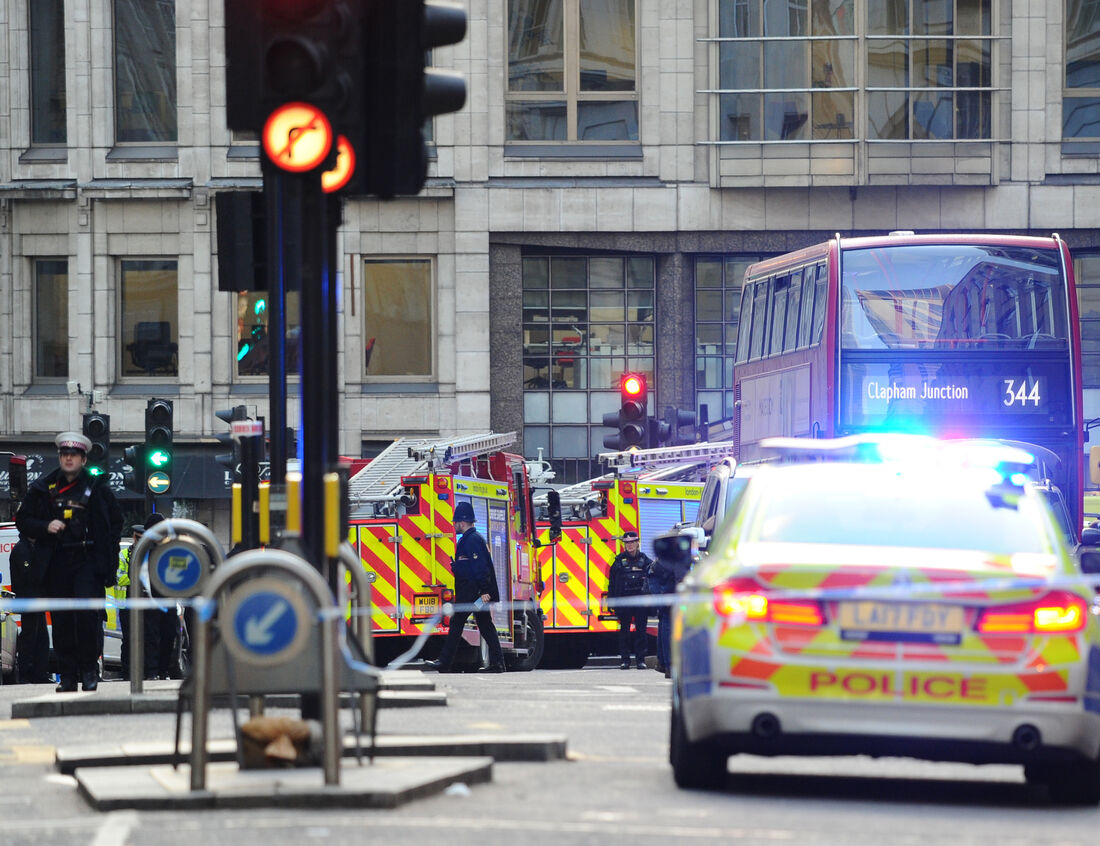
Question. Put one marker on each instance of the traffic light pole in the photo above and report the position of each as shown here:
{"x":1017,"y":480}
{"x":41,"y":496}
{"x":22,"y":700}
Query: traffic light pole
{"x":283,"y":199}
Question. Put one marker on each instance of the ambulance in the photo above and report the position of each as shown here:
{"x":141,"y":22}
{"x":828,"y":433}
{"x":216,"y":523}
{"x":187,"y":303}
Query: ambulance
{"x":648,"y":491}
{"x":401,"y":509}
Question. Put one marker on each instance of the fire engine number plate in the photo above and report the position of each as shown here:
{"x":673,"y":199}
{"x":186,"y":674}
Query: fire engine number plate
{"x":425,"y":604}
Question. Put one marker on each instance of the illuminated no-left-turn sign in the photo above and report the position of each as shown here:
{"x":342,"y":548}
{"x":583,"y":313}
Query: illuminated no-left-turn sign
{"x":297,"y":137}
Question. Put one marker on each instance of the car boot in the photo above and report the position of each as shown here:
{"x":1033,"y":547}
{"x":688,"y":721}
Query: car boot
{"x":90,"y":680}
{"x":67,"y":685}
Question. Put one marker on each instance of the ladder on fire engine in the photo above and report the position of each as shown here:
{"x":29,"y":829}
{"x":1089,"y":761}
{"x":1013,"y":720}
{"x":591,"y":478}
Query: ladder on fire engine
{"x":650,"y":464}
{"x":381,"y":479}
{"x":648,"y":459}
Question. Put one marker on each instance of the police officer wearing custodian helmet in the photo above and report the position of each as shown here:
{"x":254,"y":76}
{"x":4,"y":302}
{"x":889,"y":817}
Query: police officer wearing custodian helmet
{"x":72,"y":514}
{"x":475,"y":584}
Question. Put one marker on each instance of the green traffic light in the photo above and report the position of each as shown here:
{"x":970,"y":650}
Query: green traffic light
{"x":158,"y":458}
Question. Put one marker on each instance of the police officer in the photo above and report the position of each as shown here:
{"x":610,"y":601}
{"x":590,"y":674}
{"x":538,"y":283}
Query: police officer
{"x":475,"y":584}
{"x":627,"y":580}
{"x":72,"y":515}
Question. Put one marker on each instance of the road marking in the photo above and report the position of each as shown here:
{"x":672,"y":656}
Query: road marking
{"x":14,"y":724}
{"x":627,"y":707}
{"x":486,"y":726}
{"x":618,"y":688}
{"x":34,"y":754}
{"x":116,"y":828}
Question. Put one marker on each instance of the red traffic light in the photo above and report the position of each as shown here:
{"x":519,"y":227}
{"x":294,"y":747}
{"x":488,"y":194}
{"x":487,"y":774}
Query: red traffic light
{"x":633,"y":385}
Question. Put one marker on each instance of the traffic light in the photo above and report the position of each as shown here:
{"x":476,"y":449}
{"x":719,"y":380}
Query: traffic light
{"x":669,"y":428}
{"x":401,"y":93}
{"x":158,"y":444}
{"x":283,"y":51}
{"x":134,"y":458}
{"x":231,"y":460}
{"x":630,"y":419}
{"x":97,"y":429}
{"x":242,"y":240}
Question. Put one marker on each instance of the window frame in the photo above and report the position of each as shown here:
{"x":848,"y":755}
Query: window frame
{"x":1077,"y":92}
{"x":36,"y":376}
{"x":571,"y":92}
{"x":120,"y":340}
{"x":34,"y":82}
{"x":858,"y":125}
{"x":115,"y":108}
{"x":433,"y":317}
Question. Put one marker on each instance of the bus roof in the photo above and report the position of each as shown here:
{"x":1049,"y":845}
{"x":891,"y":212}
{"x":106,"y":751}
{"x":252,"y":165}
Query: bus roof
{"x":818,"y":251}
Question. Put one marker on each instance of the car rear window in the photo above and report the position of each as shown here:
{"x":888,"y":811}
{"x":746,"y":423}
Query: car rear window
{"x":844,"y":504}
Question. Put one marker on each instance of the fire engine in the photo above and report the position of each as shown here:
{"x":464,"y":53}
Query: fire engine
{"x":647,"y":491}
{"x":401,"y":508}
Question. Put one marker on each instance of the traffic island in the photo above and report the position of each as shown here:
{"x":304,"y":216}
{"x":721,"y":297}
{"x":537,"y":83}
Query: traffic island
{"x":385,"y":783}
{"x":506,"y":748}
{"x":400,"y":689}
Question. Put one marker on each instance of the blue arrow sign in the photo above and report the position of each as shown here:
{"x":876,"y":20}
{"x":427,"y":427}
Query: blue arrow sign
{"x":179,"y":569}
{"x":265,"y":623}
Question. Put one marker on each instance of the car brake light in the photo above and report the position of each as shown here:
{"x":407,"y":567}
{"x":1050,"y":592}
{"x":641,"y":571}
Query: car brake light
{"x":750,"y":600}
{"x":1058,"y":611}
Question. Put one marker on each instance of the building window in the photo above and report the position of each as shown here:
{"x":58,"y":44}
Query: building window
{"x":145,"y":71}
{"x":1086,"y":271}
{"x":150,"y":317}
{"x":572,"y":71}
{"x":51,"y":319}
{"x":397,"y":318}
{"x":717,"y":307}
{"x":787,"y":70}
{"x":253,"y":345}
{"x":47,"y":61}
{"x":1081,"y":97}
{"x":586,"y":321}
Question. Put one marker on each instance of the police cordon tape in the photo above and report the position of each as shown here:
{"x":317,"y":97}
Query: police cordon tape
{"x":922,"y":591}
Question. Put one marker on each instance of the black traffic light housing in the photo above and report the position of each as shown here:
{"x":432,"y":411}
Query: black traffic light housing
{"x":282,"y":51}
{"x":630,"y":419}
{"x":134,"y":478}
{"x":231,"y":460}
{"x":158,"y":439}
{"x":668,"y":429}
{"x":242,"y":240}
{"x":97,"y":429}
{"x":400,"y":92}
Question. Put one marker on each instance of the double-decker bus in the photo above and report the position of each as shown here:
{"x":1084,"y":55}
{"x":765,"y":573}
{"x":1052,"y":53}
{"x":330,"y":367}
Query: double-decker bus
{"x":953,"y":335}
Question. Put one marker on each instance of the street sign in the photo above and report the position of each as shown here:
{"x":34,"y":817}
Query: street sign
{"x":340,"y":175}
{"x":297,"y":137}
{"x":177,"y":568}
{"x":158,"y":482}
{"x":266,"y":622}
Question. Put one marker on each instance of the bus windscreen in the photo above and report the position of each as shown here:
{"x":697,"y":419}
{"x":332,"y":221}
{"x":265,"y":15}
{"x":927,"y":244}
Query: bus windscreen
{"x":948,"y":297}
{"x":956,"y":337}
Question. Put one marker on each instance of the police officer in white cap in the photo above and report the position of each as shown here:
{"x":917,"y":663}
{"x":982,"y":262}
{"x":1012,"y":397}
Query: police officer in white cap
{"x":73,"y":514}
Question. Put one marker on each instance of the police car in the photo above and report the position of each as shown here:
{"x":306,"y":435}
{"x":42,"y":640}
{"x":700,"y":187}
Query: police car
{"x":909,"y":597}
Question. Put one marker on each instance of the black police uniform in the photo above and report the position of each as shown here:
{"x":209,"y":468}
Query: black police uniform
{"x":28,"y":573}
{"x":627,"y":578}
{"x":82,"y":560}
{"x":475,"y":576}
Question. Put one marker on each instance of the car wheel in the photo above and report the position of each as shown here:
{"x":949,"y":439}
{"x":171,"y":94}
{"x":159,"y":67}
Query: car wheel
{"x":695,"y":766}
{"x":1075,"y":783}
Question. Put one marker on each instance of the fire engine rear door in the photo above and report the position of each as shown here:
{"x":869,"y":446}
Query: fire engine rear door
{"x":566,"y":573}
{"x":378,"y":550}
